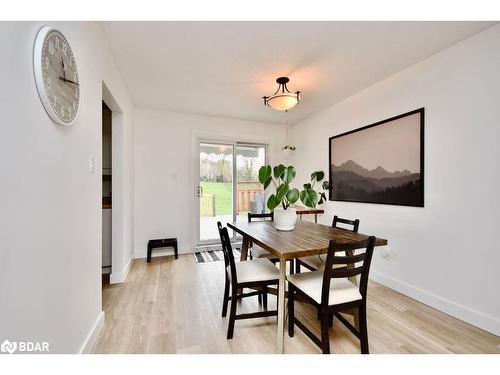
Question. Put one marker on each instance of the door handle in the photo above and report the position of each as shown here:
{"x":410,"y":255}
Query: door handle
{"x":200,"y":191}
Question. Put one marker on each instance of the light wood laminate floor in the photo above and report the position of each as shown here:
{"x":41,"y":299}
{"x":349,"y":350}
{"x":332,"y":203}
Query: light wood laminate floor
{"x":174,"y":306}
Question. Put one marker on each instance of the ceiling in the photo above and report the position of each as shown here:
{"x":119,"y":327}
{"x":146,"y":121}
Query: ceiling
{"x":224,"y":68}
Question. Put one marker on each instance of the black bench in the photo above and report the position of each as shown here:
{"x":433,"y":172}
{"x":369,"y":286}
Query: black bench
{"x":165,"y":242}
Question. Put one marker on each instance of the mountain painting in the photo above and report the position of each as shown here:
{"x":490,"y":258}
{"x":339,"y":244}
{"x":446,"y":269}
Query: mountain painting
{"x":380,"y":163}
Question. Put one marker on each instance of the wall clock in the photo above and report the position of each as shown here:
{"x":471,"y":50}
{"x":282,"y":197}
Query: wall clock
{"x":56,"y":76}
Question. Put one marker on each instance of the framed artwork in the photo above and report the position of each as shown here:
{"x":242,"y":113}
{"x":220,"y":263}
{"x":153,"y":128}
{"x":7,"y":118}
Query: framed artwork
{"x":380,"y":163}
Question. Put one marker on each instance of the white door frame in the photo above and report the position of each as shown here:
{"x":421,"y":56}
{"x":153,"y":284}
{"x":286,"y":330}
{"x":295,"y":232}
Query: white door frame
{"x":118,"y":229}
{"x":225,"y":142}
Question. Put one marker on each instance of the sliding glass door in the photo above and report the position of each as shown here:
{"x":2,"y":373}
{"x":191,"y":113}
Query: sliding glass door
{"x":228,"y":186}
{"x":249,"y":195}
{"x":215,"y":189}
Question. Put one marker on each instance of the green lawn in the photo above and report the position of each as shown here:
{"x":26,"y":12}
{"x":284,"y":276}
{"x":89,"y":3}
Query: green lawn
{"x":223,"y":200}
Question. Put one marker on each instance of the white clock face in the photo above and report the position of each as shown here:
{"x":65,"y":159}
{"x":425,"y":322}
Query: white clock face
{"x":57,"y":76}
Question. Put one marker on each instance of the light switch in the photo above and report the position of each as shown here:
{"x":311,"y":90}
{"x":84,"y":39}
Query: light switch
{"x":91,"y":163}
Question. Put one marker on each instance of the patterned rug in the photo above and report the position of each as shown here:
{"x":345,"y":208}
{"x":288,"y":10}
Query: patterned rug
{"x":214,"y":256}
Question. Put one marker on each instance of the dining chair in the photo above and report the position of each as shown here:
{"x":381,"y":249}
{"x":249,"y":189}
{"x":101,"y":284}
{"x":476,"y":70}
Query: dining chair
{"x":330,"y":291}
{"x":317,"y":262}
{"x":257,"y":252}
{"x":255,"y":274}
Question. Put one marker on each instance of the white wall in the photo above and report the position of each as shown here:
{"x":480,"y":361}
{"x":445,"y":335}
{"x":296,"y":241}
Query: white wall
{"x":50,"y":216}
{"x":445,"y":254}
{"x":165,"y":143}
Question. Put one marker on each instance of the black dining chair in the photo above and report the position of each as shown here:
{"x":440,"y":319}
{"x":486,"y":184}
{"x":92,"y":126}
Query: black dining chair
{"x":330,"y":291}
{"x":317,"y":262}
{"x":254,"y":274}
{"x":257,"y":252}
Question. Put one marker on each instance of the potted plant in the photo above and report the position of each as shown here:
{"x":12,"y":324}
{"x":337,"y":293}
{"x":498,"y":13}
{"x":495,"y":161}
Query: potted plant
{"x":309,"y":196}
{"x":280,"y":202}
{"x":281,"y":176}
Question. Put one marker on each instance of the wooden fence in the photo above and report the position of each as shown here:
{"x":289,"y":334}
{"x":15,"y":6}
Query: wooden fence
{"x":207,"y":204}
{"x":245,"y":194}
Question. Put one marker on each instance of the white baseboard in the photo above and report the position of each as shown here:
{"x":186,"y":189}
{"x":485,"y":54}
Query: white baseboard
{"x":121,"y":275}
{"x":92,"y":336}
{"x":476,"y":318}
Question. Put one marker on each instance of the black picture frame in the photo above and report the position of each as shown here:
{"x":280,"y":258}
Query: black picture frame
{"x":421,"y":203}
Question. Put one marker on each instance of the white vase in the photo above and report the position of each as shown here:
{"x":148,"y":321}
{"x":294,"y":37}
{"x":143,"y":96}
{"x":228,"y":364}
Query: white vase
{"x":285,"y":219}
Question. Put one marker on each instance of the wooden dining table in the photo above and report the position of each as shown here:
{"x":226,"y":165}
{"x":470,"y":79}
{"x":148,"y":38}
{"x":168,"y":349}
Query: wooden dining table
{"x":306,"y":239}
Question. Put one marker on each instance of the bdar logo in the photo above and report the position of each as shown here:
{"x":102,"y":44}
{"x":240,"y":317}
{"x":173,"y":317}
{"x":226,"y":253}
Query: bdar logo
{"x":8,"y":347}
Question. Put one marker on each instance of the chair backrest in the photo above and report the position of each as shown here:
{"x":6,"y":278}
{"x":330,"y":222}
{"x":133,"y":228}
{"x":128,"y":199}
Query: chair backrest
{"x":251,"y":217}
{"x":357,"y":263}
{"x":227,"y":250}
{"x":353,"y":223}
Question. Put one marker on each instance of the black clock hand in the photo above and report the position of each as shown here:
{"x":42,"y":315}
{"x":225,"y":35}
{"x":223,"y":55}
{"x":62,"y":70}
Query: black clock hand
{"x":64,"y":70}
{"x":68,"y":80}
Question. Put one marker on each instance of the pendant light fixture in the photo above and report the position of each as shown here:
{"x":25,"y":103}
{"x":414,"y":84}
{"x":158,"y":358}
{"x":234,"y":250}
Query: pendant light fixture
{"x":282,"y":99}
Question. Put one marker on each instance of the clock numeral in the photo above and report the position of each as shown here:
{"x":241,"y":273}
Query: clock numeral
{"x":74,"y":106}
{"x":58,"y":46}
{"x":47,"y":62}
{"x":48,"y":83}
{"x":51,"y":47}
{"x":64,"y":48}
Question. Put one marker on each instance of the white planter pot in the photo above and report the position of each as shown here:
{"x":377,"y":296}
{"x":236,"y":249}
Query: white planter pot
{"x":285,"y":219}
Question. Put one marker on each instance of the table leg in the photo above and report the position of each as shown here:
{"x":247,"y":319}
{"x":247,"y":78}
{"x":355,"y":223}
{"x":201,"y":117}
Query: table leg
{"x":316,"y":218}
{"x":244,"y":249}
{"x":281,"y":308}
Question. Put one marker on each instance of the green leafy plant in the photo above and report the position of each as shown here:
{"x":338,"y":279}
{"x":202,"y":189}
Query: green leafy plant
{"x":280,"y":176}
{"x":309,"y":195}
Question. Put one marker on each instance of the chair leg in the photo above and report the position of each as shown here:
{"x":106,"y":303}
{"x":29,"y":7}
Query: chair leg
{"x":325,"y":339}
{"x":297,"y":266}
{"x":226,"y":298}
{"x":330,"y":320}
{"x":292,"y":262}
{"x":259,"y":298}
{"x":291,"y":313}
{"x":363,"y":329}
{"x":264,"y":298}
{"x":232,"y":313}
